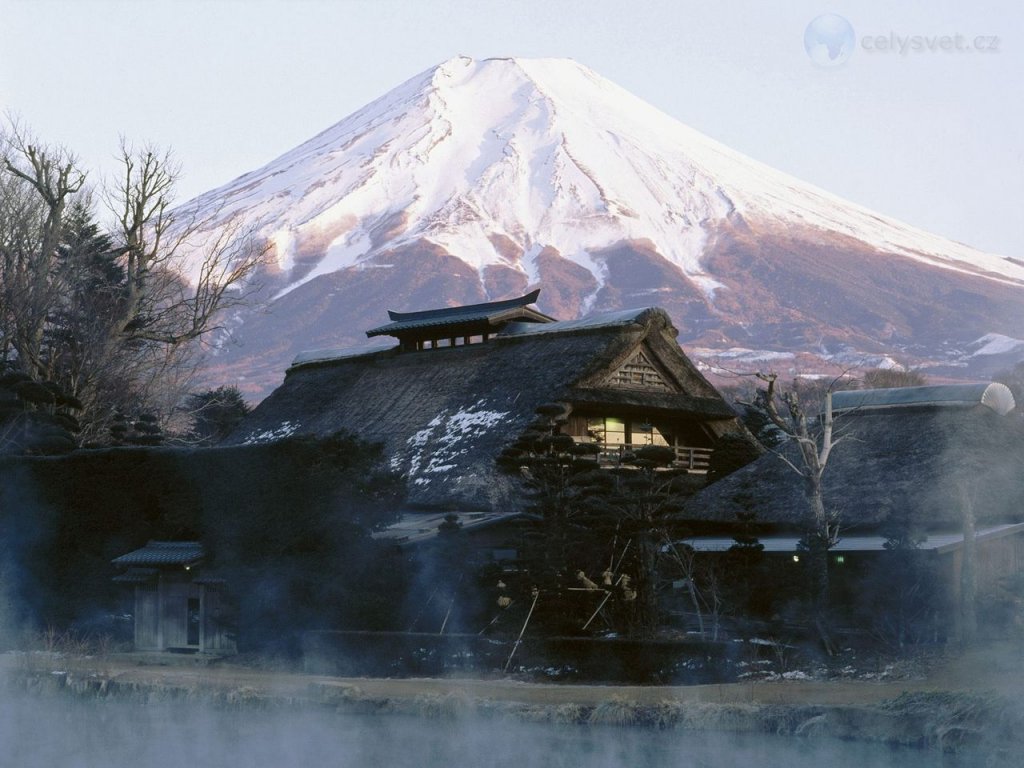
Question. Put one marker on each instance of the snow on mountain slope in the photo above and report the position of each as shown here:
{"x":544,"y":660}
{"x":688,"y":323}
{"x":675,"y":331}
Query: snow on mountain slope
{"x":477,"y":180}
{"x":544,"y":153}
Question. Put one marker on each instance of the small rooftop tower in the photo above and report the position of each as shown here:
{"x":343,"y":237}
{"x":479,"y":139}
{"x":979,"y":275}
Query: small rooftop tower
{"x":473,"y":323}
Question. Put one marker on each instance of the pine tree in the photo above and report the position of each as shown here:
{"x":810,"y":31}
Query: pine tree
{"x":215,"y":414}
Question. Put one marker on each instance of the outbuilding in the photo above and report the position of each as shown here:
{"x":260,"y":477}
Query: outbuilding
{"x":176,"y":607}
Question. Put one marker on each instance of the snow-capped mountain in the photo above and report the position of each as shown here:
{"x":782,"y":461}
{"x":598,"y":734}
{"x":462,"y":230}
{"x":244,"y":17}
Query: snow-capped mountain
{"x":478,"y":179}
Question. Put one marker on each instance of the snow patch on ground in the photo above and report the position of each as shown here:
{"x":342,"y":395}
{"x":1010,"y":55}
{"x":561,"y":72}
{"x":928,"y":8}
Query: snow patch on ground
{"x":996,"y":344}
{"x":741,"y":354}
{"x":853,"y":358}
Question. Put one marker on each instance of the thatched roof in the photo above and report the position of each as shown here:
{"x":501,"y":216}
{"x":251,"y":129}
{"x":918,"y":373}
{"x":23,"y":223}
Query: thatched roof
{"x":917,"y":461}
{"x":445,"y":414}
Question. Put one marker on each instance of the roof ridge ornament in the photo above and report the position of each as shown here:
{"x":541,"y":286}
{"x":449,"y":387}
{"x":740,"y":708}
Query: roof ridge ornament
{"x":446,"y":326}
{"x":522,"y":301}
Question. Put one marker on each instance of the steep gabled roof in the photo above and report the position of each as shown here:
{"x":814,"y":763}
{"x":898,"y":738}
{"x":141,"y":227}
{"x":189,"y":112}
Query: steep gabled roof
{"x":445,"y":414}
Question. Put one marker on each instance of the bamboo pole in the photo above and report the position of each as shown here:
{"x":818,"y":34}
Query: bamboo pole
{"x":446,"y":615}
{"x":496,"y":617}
{"x":515,"y":646}
{"x":451,"y":604}
{"x":622,"y":556}
{"x":607,"y":594}
{"x":421,"y":610}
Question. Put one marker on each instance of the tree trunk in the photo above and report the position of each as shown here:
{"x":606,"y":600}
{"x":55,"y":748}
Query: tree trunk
{"x":646,"y":614}
{"x":818,"y":543}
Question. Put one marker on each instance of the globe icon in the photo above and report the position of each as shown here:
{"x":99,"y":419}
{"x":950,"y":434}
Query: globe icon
{"x":829,"y":40}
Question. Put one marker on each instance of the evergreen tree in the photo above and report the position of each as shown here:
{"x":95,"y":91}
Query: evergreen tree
{"x":732,"y":452}
{"x":36,"y":418}
{"x":215,"y":414}
{"x":746,"y":556}
{"x":602,"y":528}
{"x":899,"y":594}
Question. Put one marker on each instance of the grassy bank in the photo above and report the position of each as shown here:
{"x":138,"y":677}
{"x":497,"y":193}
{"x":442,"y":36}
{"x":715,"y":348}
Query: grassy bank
{"x":933,"y":712}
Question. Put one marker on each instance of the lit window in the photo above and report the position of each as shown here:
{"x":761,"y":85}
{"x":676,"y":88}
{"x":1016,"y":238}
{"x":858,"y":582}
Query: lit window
{"x":614,"y":431}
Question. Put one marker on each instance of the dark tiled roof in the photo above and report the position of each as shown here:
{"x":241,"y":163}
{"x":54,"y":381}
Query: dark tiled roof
{"x":489,"y":312}
{"x":414,"y":527}
{"x":137,"y":576}
{"x":163,"y":553}
{"x":996,"y":396}
{"x":941,"y":542}
{"x":601,"y":320}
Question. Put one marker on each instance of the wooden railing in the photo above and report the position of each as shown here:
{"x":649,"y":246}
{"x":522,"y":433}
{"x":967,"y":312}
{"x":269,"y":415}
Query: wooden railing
{"x":692,"y":459}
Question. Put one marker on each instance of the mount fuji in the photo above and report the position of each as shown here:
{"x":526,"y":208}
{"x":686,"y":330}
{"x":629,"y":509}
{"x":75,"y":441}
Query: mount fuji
{"x":480,"y":179}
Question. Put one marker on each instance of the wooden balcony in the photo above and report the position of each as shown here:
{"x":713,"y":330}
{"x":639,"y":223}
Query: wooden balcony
{"x":695,"y":460}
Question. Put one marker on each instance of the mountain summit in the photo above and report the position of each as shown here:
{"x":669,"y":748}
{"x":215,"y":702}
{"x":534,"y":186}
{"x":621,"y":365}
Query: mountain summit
{"x":476,"y":180}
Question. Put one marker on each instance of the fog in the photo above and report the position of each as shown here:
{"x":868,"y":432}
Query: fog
{"x":59,"y":730}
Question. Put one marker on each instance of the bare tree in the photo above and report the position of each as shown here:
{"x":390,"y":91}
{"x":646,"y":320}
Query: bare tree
{"x":814,"y":441}
{"x":177,"y":282}
{"x":123,"y":335}
{"x":160,"y":248}
{"x":37,"y":187}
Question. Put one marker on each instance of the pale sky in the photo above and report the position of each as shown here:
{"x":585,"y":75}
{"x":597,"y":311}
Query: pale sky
{"x":931,"y":137}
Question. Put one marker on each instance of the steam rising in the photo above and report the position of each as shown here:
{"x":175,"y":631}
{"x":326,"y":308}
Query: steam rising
{"x":52,"y":731}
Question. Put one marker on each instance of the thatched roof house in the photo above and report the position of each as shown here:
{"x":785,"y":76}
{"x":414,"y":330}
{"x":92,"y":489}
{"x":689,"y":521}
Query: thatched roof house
{"x":447,"y":402}
{"x":913,"y":451}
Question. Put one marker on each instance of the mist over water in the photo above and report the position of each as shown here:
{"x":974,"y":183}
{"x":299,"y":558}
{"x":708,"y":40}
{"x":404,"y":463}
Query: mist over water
{"x":38,"y":731}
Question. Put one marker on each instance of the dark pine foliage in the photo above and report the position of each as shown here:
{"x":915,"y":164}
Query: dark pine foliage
{"x":287,"y":524}
{"x":601,"y":528}
{"x":215,"y":414}
{"x":37,"y":418}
